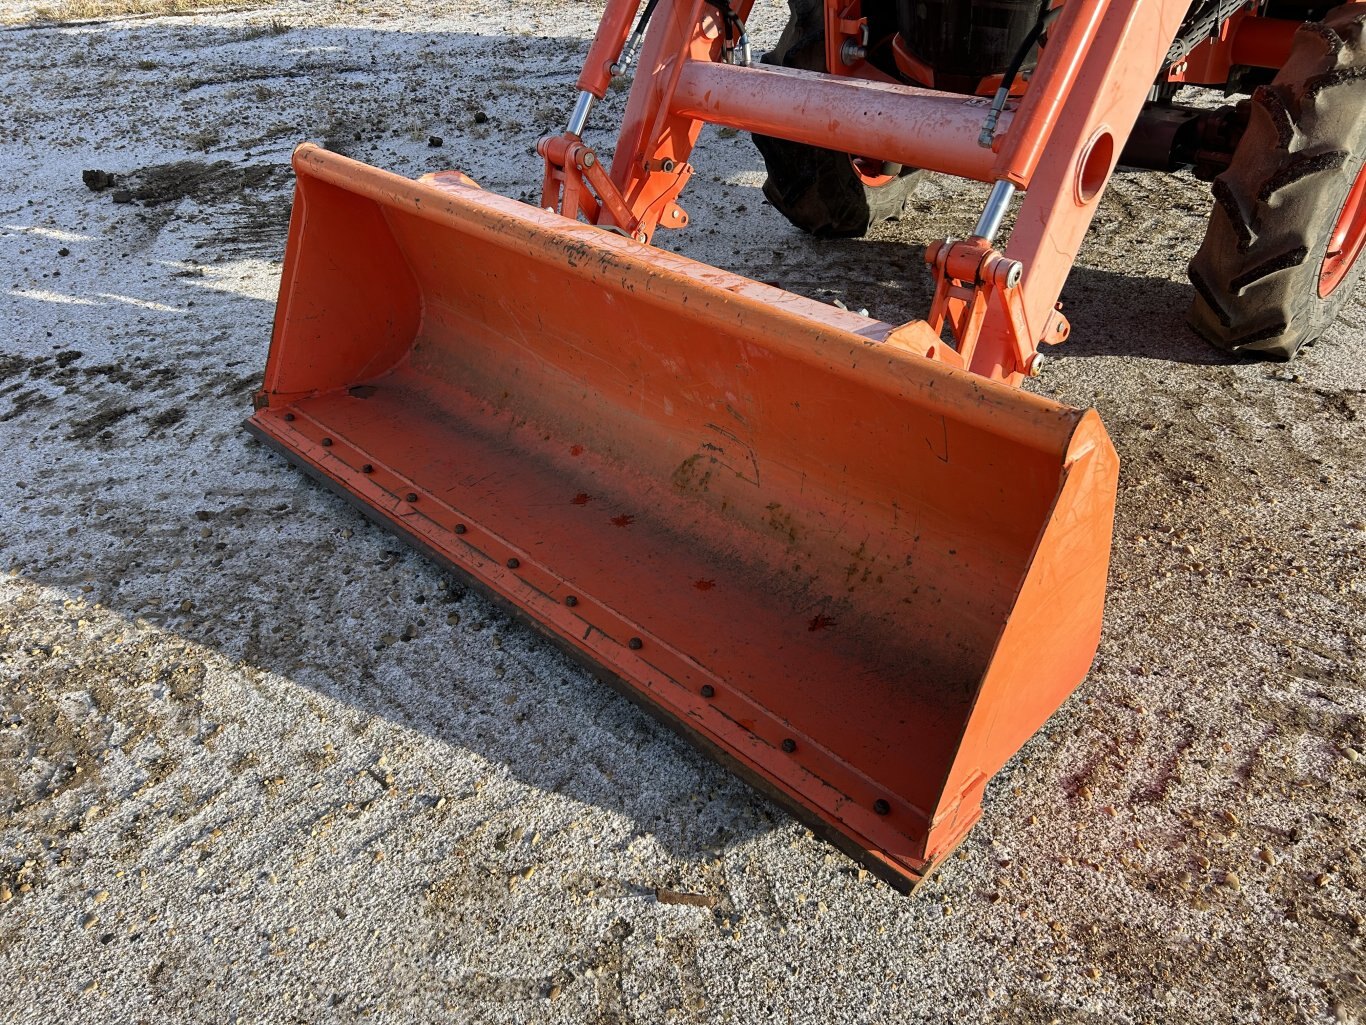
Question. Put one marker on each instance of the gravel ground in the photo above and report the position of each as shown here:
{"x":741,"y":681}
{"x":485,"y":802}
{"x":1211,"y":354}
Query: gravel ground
{"x":260,"y":763}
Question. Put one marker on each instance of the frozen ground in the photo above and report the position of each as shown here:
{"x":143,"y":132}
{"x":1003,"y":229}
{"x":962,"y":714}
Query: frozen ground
{"x":260,"y":763}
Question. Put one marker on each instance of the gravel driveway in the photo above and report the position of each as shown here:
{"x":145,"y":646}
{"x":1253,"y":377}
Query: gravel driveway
{"x":258,"y":762}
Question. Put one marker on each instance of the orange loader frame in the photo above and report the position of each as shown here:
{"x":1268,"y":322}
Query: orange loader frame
{"x":1057,"y":143}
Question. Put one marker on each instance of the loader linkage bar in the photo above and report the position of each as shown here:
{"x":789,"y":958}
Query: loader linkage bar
{"x":973,"y":279}
{"x":575,"y":185}
{"x":571,"y":167}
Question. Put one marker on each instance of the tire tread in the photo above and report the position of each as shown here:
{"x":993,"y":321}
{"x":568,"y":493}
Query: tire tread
{"x":1256,"y":275}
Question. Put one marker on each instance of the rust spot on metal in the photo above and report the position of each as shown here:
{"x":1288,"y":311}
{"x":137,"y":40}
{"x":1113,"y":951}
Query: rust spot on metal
{"x":740,"y":457}
{"x":704,"y":585}
{"x":624,"y":520}
{"x":689,"y":476}
{"x":576,"y":450}
{"x":582,"y":498}
{"x":780,"y":521}
{"x":819,"y":622}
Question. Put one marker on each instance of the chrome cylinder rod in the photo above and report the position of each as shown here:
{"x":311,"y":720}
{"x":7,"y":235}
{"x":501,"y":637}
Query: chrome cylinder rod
{"x":998,"y":204}
{"x":579,"y":118}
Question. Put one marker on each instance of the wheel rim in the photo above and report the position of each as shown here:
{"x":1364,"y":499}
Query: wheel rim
{"x":870,"y":171}
{"x":1349,"y":235}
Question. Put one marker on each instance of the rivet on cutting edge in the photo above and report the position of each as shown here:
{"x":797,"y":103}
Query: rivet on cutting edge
{"x":882,"y":807}
{"x":570,"y":600}
{"x":459,"y":528}
{"x":411,"y":496}
{"x":289,"y":417}
{"x":327,"y":443}
{"x":789,"y":745}
{"x":513,"y":563}
{"x":367,"y":468}
{"x":708,"y":690}
{"x":635,"y":644}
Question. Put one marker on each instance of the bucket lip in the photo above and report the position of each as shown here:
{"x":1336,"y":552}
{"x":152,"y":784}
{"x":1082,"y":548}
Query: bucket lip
{"x":841,"y":341}
{"x":837,"y":820}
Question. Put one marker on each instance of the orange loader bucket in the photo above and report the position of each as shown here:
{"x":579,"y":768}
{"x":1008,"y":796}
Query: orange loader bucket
{"x":858,"y":577}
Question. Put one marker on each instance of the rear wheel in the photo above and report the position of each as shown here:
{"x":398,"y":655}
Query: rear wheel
{"x":819,"y":190}
{"x":1282,"y":251}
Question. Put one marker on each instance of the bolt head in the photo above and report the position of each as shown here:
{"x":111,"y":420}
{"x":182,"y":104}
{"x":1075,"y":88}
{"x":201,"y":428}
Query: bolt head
{"x":789,"y":745}
{"x":708,"y":690}
{"x":882,"y":807}
{"x":1035,"y":367}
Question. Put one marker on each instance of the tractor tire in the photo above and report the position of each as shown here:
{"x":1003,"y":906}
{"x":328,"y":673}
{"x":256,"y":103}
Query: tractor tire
{"x":1280,"y":255}
{"x":825,"y":192}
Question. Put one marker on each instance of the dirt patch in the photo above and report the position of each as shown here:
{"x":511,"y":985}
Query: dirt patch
{"x":203,"y":182}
